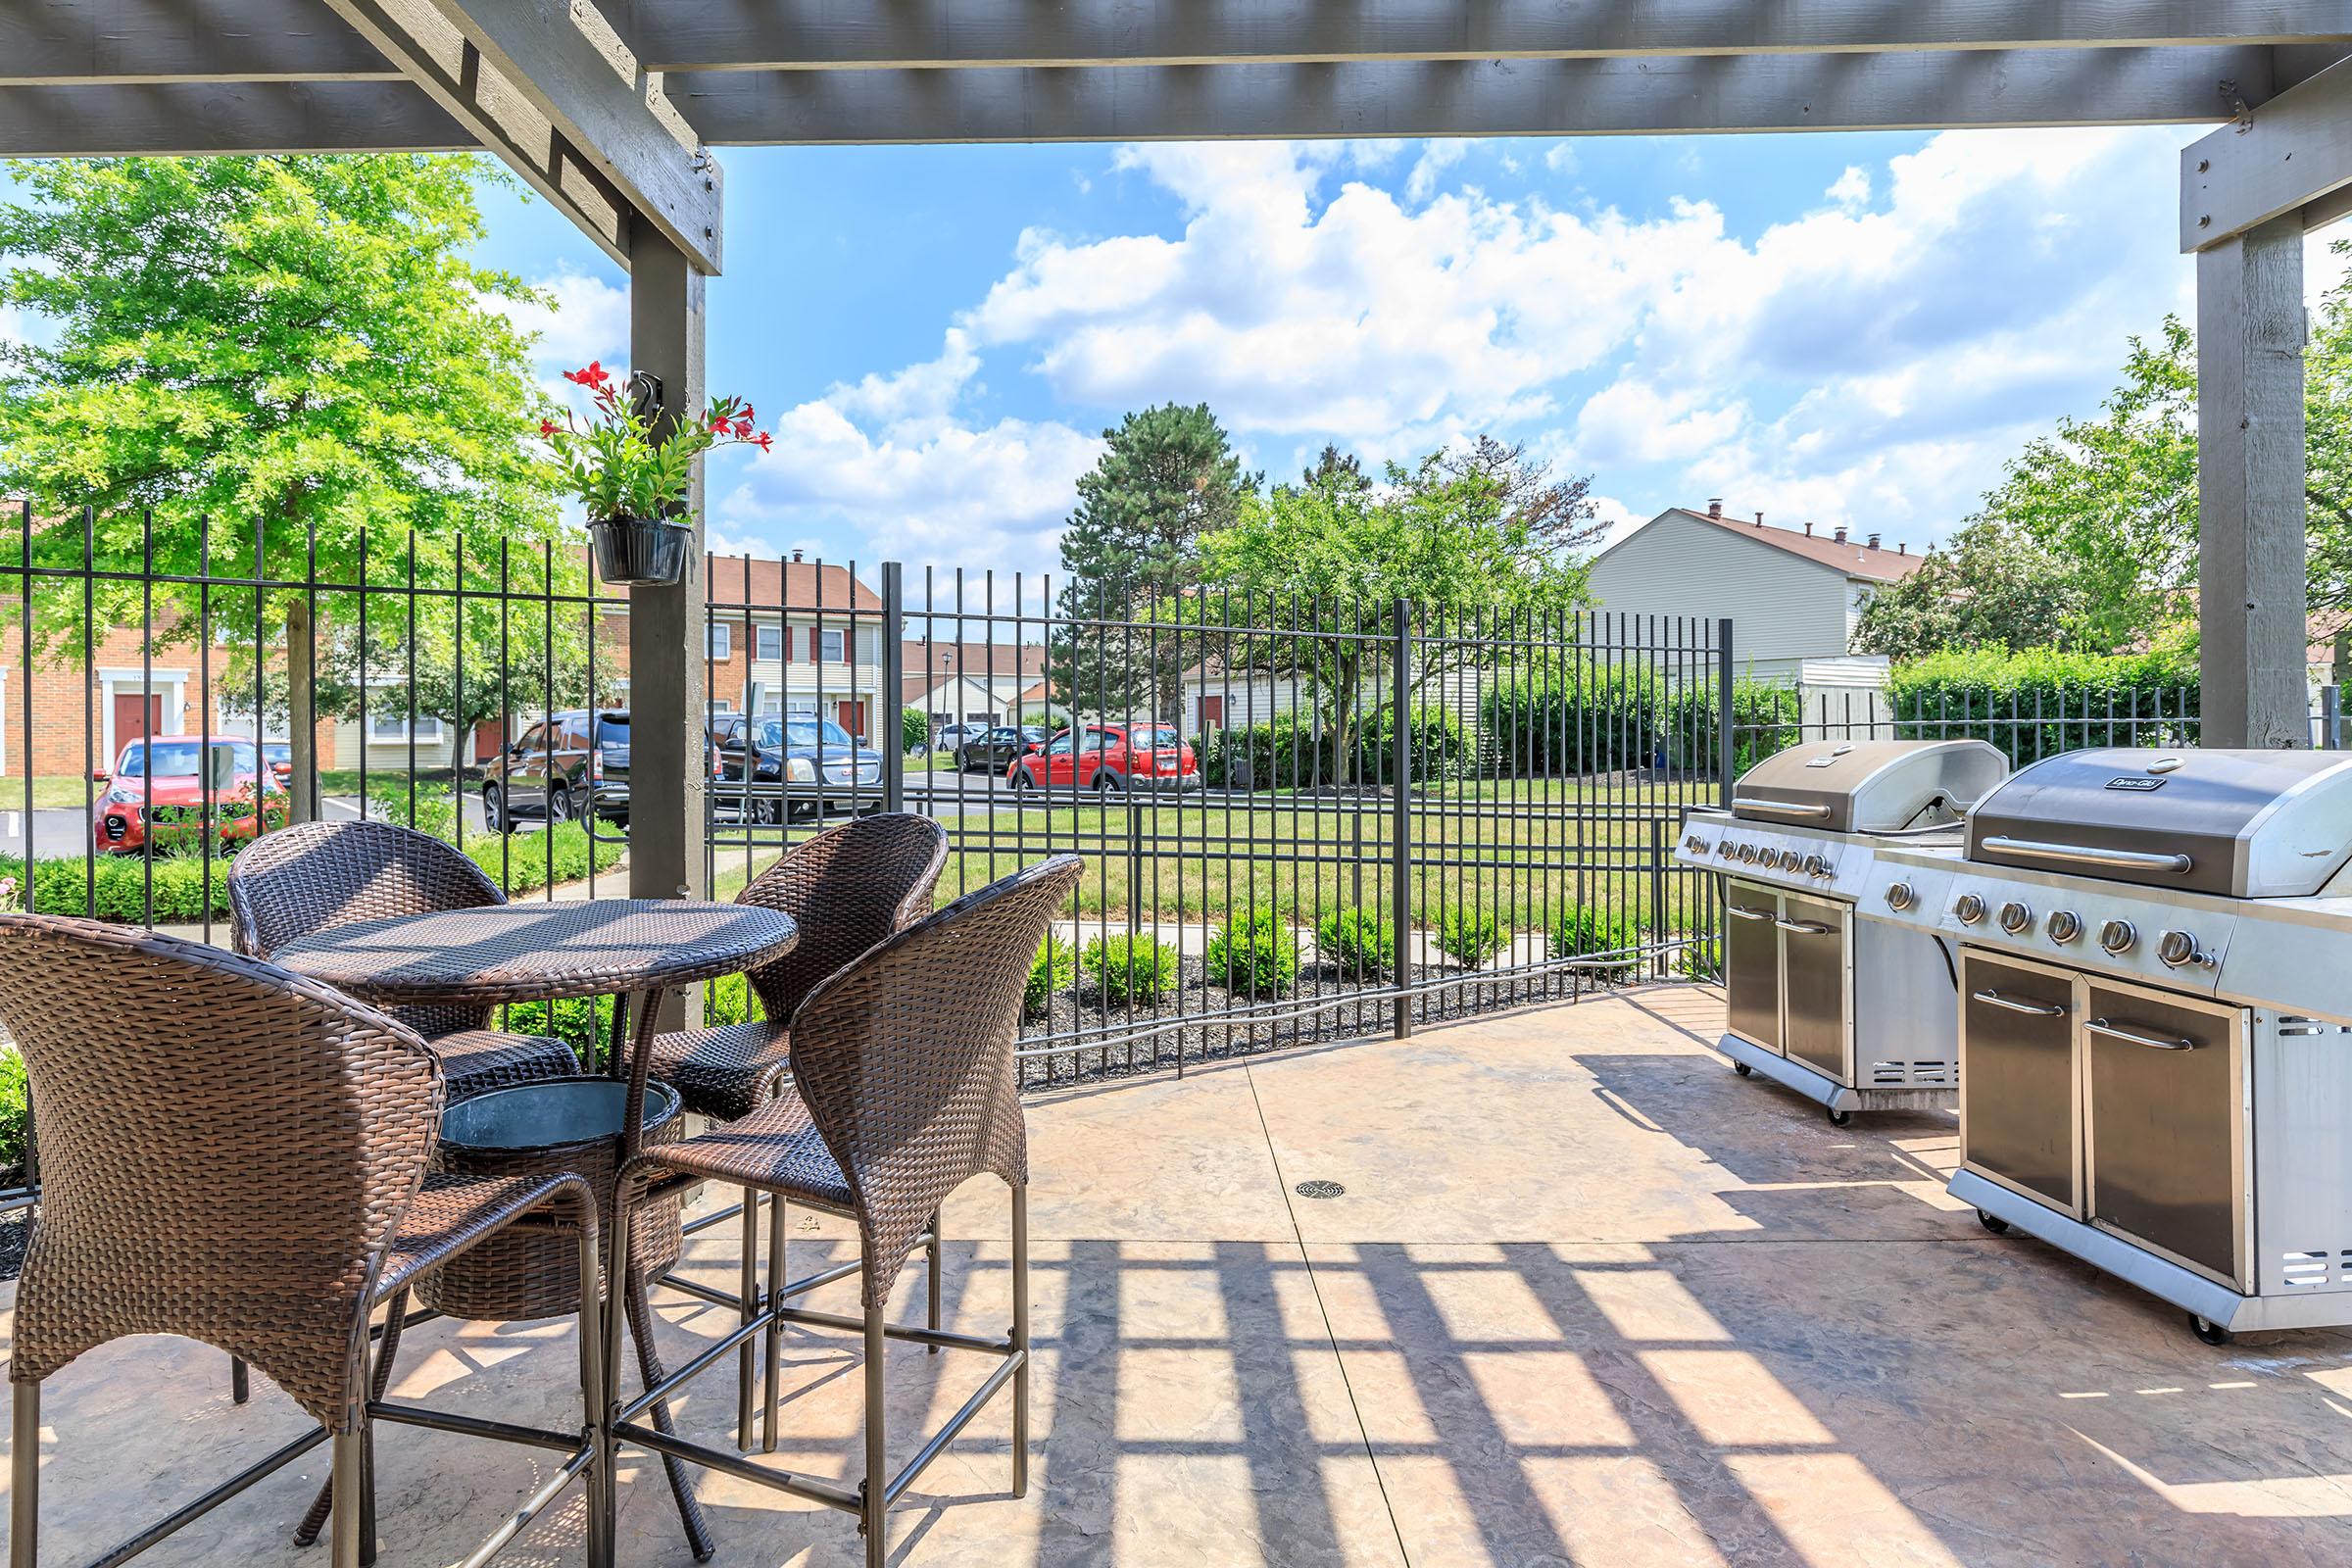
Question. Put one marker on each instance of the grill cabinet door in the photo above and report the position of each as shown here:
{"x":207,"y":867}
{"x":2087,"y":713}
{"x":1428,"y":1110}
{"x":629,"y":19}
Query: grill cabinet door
{"x":1813,"y":988}
{"x":2019,"y":1082}
{"x":1752,"y":963}
{"x":2167,"y":1121}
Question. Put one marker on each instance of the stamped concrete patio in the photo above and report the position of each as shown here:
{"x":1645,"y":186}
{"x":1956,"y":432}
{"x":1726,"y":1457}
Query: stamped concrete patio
{"x":1586,"y":1298}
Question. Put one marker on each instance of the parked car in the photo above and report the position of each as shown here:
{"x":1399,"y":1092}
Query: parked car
{"x":805,"y":761}
{"x":995,"y":749}
{"x":279,"y":754}
{"x":1110,"y":759}
{"x":565,"y":765}
{"x":950,"y":738}
{"x":157,"y":790}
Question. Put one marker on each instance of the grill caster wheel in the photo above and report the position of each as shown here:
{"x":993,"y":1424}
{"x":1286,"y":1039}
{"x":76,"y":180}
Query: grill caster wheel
{"x":1992,"y":1222}
{"x":1742,"y":1069}
{"x":2210,"y":1332}
{"x":1838,"y":1118}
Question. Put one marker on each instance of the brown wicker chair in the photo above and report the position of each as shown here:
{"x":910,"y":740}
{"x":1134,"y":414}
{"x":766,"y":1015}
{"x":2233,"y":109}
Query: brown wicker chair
{"x":318,"y":875}
{"x":904,"y":1088}
{"x":847,"y":888}
{"x":235,"y":1155}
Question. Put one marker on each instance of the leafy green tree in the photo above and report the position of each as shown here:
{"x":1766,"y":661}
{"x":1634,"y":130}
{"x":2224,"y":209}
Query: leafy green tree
{"x":1989,"y":586}
{"x":265,"y":361}
{"x":1333,"y":555}
{"x":1167,"y":476}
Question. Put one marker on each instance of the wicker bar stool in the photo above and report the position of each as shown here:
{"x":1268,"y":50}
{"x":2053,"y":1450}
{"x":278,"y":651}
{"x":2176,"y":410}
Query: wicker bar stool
{"x":904,"y":1088}
{"x":158,"y":1065}
{"x":848,"y":888}
{"x":314,"y":876}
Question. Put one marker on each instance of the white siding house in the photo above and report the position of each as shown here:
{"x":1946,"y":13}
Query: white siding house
{"x":1793,"y":596}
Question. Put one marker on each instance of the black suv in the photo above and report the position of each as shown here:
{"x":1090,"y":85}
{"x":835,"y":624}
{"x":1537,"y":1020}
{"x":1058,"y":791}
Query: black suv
{"x":992,"y":751}
{"x":803,"y":759}
{"x":563,"y":766}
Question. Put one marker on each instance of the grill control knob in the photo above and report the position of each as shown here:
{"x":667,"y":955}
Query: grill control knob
{"x":2118,"y":937}
{"x":2063,"y":925}
{"x":1747,"y":855}
{"x":2178,"y":949}
{"x":1899,"y":895}
{"x":1790,"y":859}
{"x":2015,"y":916}
{"x":1816,"y":866}
{"x":1695,"y":844}
{"x":1970,"y":909}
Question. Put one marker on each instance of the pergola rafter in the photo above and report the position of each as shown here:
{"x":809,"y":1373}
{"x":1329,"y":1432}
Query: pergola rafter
{"x":608,"y":112}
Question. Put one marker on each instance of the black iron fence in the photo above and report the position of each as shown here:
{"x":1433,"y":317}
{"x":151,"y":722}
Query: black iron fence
{"x":1302,"y":818}
{"x":2025,"y":726}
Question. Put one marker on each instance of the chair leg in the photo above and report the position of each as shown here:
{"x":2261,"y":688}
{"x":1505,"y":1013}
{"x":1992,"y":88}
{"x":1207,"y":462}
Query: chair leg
{"x":607,"y":1446}
{"x":350,"y":1459}
{"x":396,"y":1312}
{"x":240,"y":1382}
{"x":774,"y":1338}
{"x":746,"y":1358}
{"x":25,"y":1476}
{"x":1020,"y":1340}
{"x":931,"y":1278}
{"x":592,"y":1393}
{"x":877,"y":1464}
{"x":649,"y":1367}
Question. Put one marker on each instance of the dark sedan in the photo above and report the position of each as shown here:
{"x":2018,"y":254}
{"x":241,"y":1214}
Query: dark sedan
{"x":992,"y":751}
{"x":811,"y":762}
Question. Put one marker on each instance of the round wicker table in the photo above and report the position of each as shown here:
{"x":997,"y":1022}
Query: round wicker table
{"x":502,"y":953}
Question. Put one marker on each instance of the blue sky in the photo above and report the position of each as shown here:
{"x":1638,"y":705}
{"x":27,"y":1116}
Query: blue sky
{"x":1832,"y":328}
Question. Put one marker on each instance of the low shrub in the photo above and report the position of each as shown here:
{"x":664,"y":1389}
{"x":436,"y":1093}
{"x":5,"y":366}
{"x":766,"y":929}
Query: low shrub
{"x":16,"y":1107}
{"x":1054,"y":968}
{"x":1358,"y":941}
{"x":584,"y":1023}
{"x":1581,"y":931}
{"x":2038,"y":702}
{"x":1471,"y":936}
{"x":1701,"y":957}
{"x":1256,"y":956}
{"x":1131,"y":968}
{"x":520,"y":862}
{"x":1440,"y":751}
{"x":115,"y":888}
{"x":1282,"y":754}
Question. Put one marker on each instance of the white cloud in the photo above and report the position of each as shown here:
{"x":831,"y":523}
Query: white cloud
{"x":1561,"y":158}
{"x":1851,"y":188}
{"x":1436,"y":158}
{"x":1634,"y":421}
{"x":588,"y":320}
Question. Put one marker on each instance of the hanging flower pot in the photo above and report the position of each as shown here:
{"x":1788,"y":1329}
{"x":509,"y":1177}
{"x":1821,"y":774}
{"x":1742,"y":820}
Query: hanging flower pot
{"x":639,"y":551}
{"x":633,"y":481}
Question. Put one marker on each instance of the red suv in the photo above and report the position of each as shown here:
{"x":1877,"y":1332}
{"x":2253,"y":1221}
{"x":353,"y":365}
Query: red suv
{"x":1110,"y":759}
{"x":159,"y":789}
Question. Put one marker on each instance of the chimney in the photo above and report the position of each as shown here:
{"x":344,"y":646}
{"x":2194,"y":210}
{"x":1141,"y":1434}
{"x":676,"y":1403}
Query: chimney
{"x":1759,"y":519}
{"x":1902,"y":548}
{"x":1841,"y":534}
{"x":1715,"y":505}
{"x":1808,"y":530}
{"x":796,"y":555}
{"x":1873,"y":541}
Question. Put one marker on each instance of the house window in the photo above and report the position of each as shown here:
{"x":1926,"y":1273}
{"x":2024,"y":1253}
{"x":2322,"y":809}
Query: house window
{"x":833,"y":652}
{"x":768,"y":643}
{"x":722,"y":640}
{"x":390,"y":722}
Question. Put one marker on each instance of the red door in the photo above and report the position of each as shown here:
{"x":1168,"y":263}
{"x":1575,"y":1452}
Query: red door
{"x":1212,"y":711}
{"x":137,"y":715}
{"x":851,"y":717}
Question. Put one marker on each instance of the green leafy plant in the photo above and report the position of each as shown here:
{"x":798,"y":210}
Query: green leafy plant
{"x":1471,"y":936}
{"x":1701,"y":957}
{"x":914,"y":729}
{"x":1581,"y":931}
{"x":16,"y":1107}
{"x":2065,"y":701}
{"x":1358,"y":941}
{"x":1053,"y":970}
{"x":1131,"y":968}
{"x":1256,"y":956}
{"x":617,"y":464}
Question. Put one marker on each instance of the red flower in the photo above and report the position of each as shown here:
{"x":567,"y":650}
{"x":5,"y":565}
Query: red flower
{"x":718,"y":425}
{"x":546,"y":428}
{"x":747,"y":411}
{"x":762,"y":440}
{"x":743,"y":429}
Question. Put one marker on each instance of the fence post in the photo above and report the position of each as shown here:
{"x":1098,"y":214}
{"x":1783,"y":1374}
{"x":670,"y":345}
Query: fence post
{"x":2331,"y":718}
{"x":1400,"y":833}
{"x":1724,"y":741}
{"x":1660,"y":921}
{"x":890,"y":701}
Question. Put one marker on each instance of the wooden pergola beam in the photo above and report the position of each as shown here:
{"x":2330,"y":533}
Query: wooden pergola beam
{"x":131,"y":42}
{"x":1477,"y":98}
{"x":550,"y":89}
{"x":194,"y":119}
{"x":851,"y":34}
{"x":2291,"y":154}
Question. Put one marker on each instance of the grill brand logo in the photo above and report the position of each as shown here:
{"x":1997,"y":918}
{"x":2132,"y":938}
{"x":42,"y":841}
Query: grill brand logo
{"x":2135,"y":781}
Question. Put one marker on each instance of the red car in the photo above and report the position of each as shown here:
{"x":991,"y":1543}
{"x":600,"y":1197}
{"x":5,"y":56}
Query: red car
{"x":1110,"y":759}
{"x":158,"y":792}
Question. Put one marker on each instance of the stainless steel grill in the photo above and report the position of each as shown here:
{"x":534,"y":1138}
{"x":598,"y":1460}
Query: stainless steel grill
{"x":1848,"y":1009}
{"x":2156,"y":1020}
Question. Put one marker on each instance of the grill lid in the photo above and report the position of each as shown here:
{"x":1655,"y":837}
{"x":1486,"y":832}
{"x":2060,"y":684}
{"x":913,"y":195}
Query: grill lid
{"x":1868,"y":786}
{"x":2249,"y":824}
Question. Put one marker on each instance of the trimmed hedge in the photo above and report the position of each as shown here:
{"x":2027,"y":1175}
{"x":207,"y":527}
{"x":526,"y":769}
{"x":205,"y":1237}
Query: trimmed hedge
{"x":1439,"y":749}
{"x":1570,"y":717}
{"x":1131,"y":968}
{"x":1580,"y":931}
{"x":1764,"y":720}
{"x":2041,"y":701}
{"x":1358,"y":941}
{"x":1285,"y":753}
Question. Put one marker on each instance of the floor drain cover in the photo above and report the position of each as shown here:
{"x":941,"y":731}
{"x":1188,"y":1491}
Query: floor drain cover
{"x":1319,"y":1188}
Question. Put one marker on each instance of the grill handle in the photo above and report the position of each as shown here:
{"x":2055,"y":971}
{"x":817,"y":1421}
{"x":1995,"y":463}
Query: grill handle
{"x":2037,"y":1010}
{"x":2088,"y":855}
{"x":1746,"y":913}
{"x":1750,"y":803}
{"x":2137,"y":1037}
{"x":1805,"y":928}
